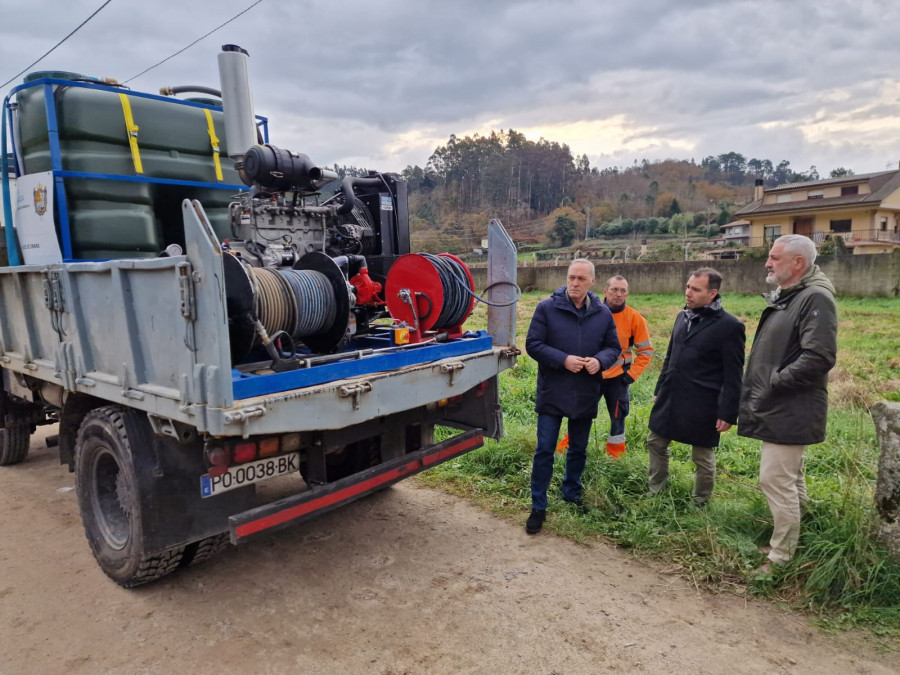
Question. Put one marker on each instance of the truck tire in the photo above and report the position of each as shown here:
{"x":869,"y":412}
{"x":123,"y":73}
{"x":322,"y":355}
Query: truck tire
{"x":353,"y":458}
{"x":14,"y":443}
{"x":109,"y":496}
{"x":203,"y":550}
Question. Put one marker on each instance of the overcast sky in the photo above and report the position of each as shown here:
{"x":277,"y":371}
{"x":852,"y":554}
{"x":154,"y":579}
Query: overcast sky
{"x":381,"y":84}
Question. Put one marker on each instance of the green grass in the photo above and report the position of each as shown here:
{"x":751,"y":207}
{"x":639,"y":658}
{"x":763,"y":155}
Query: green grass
{"x":840,"y":572}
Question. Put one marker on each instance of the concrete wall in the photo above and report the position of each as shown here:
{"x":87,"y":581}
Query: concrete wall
{"x":856,"y":276}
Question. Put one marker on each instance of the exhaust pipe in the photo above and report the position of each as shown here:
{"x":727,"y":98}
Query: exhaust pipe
{"x":237,"y":102}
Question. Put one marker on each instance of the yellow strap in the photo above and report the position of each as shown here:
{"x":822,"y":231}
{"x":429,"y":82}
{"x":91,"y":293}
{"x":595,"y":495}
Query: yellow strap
{"x":214,"y":143}
{"x":132,"y":129}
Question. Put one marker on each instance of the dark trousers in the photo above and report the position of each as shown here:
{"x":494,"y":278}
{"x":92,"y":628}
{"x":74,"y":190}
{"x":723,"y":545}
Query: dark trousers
{"x":617,"y":397}
{"x":542,"y":467}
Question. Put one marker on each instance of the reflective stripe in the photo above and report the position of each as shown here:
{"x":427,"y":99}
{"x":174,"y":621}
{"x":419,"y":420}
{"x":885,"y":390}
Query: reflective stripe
{"x":299,"y":506}
{"x":618,"y":438}
{"x":640,"y":345}
{"x":132,"y":130}
{"x":214,"y":144}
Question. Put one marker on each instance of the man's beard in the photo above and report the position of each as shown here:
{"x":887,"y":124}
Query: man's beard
{"x":771,"y":278}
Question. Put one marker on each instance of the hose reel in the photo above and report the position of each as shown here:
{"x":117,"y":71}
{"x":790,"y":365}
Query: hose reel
{"x":309,"y":303}
{"x":430,"y":292}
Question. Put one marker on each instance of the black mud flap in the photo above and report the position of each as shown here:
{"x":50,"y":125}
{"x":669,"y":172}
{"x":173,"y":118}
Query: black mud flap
{"x":319,"y":500}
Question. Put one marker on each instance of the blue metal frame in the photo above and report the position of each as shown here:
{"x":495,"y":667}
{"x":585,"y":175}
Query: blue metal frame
{"x":248,"y":386}
{"x":56,"y":165}
{"x":12,"y":248}
{"x":59,"y":175}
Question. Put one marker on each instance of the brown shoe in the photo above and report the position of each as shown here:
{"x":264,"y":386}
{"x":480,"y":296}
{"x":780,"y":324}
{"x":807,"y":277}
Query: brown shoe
{"x":765,"y":550}
{"x":764,"y":570}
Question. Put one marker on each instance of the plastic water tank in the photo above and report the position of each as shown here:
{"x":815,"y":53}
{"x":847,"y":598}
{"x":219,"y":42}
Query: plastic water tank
{"x":112,"y":218}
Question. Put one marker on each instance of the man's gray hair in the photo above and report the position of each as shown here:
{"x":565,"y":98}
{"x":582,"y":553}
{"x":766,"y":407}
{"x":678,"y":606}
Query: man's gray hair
{"x":615,"y":277}
{"x":584,"y":261}
{"x":798,"y":244}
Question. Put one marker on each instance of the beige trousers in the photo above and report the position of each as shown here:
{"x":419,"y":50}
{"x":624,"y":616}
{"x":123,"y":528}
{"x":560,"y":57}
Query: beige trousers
{"x":783,"y":481}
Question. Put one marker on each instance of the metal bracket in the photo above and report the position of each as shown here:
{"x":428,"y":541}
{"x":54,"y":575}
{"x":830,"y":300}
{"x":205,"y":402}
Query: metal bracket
{"x":407,"y":297}
{"x":244,"y":416}
{"x":354,"y":391}
{"x":163,"y":426}
{"x":53,"y":298}
{"x":451,"y":368}
{"x":127,"y":390}
{"x":186,"y":286}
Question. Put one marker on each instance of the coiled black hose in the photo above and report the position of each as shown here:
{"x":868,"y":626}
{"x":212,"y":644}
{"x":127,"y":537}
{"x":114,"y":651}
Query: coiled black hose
{"x":456,"y":288}
{"x":299,"y":302}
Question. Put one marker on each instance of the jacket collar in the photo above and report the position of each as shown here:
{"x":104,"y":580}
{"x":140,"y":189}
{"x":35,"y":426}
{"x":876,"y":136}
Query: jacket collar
{"x":711,"y":312}
{"x":712,"y":309}
{"x":813,"y":277}
{"x":561,"y":301}
{"x":615,"y":310}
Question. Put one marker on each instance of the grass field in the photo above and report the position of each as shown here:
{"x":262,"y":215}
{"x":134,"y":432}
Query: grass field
{"x":840,"y":572}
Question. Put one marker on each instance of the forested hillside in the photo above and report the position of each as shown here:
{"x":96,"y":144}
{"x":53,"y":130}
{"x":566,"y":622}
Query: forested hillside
{"x":545,"y":196}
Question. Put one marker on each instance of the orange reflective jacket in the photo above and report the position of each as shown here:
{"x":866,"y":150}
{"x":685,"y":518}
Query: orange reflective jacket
{"x":633,"y":335}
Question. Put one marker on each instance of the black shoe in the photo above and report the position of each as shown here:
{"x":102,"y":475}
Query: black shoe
{"x":535,"y":521}
{"x":579,"y":505}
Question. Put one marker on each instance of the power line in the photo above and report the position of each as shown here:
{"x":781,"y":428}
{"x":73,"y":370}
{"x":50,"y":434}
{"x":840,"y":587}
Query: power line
{"x":47,"y":53}
{"x":203,"y":37}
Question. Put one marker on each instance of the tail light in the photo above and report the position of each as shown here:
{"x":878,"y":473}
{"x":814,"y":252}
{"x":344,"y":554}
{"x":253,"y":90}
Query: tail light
{"x":245,"y":452}
{"x":225,"y":453}
{"x":218,"y":460}
{"x":269,"y":446}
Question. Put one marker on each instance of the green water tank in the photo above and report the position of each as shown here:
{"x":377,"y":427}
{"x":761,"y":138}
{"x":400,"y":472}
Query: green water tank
{"x":111,"y":218}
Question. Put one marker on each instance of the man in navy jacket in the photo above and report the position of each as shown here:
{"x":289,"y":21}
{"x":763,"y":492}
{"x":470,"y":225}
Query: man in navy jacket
{"x":573,"y":338}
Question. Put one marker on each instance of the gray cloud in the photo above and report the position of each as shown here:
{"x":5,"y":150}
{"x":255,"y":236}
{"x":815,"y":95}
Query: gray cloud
{"x":380,"y":84}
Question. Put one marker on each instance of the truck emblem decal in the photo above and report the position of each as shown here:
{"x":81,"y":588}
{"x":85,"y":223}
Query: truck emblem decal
{"x":40,"y":199}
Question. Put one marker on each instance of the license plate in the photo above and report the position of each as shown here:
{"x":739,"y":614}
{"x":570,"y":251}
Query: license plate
{"x":249,"y":473}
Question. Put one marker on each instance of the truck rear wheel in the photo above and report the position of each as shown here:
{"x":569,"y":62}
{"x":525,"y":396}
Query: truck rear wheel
{"x":109,"y":496}
{"x":14,"y":443}
{"x":203,"y":550}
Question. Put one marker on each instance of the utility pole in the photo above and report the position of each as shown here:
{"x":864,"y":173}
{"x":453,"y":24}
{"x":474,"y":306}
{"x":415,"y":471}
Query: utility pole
{"x":587,"y":224}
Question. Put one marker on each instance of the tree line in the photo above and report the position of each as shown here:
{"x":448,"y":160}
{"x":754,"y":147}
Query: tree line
{"x":522,"y":182}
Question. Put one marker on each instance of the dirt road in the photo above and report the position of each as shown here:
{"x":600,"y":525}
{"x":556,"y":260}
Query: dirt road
{"x":407,"y":581}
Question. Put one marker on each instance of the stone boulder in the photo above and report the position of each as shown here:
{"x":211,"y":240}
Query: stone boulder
{"x":887,"y":489}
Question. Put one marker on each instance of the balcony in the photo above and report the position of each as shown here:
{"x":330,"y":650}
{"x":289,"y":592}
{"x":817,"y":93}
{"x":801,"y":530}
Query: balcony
{"x":850,"y":238}
{"x":862,"y":236}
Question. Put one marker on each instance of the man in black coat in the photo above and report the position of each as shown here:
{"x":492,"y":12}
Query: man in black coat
{"x":699,"y":389}
{"x":573,"y":338}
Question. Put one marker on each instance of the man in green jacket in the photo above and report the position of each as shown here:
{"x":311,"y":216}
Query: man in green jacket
{"x":784,"y":397}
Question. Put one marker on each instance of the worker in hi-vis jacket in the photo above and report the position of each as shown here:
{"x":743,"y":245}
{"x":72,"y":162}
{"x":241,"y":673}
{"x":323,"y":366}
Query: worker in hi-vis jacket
{"x":636,"y":354}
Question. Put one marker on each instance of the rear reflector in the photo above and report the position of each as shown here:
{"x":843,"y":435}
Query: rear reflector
{"x":290,"y":443}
